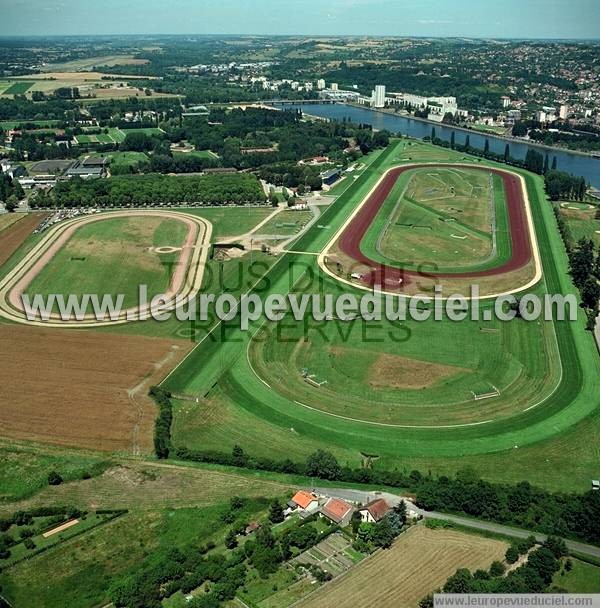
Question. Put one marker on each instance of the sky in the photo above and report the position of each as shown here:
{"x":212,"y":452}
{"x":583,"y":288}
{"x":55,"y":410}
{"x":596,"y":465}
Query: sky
{"x":440,"y":18}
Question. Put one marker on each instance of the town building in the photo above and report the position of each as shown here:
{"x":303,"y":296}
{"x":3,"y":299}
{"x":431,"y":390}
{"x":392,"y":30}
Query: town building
{"x":378,"y":96}
{"x":320,"y":84}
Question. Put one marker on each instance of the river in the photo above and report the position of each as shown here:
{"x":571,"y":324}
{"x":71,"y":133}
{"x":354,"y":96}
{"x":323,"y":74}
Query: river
{"x":576,"y":164}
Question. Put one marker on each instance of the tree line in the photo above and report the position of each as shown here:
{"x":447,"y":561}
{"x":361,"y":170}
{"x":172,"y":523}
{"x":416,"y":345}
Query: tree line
{"x":534,"y":576}
{"x":151,"y":190}
{"x":521,"y":504}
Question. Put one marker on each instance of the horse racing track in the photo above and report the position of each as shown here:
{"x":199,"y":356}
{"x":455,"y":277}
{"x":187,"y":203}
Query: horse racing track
{"x":520,"y":268}
{"x":84,"y":252}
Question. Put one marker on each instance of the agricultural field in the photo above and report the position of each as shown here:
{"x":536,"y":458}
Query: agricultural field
{"x":115,"y":371}
{"x":484,"y":396}
{"x":92,"y":63}
{"x":15,"y":87}
{"x":16,"y":233}
{"x":419,"y":562}
{"x":10,"y":219}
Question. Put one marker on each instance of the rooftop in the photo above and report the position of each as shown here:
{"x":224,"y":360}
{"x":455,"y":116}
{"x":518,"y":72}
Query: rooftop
{"x":336,"y":509}
{"x":303,"y":498}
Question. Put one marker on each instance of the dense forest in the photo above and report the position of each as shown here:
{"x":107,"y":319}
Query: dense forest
{"x":152,"y":189}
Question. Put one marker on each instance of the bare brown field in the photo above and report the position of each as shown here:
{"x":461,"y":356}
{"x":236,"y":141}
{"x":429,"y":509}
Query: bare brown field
{"x":82,"y":389}
{"x":152,"y":486}
{"x":14,"y":236}
{"x":392,"y":371}
{"x":419,"y":562}
{"x":9,"y":219}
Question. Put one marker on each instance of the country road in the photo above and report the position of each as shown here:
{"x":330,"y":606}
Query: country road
{"x":393,"y":499}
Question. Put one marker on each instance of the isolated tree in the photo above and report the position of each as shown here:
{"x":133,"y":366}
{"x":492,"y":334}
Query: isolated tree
{"x":231,"y":540}
{"x":54,"y":479}
{"x":452,"y":140}
{"x":11,"y":203}
{"x":486,"y":147}
{"x":468,"y":142}
{"x":323,"y":464}
{"x":239,"y":457}
{"x":497,"y":568}
{"x":506,"y":152}
{"x":554,"y":163}
{"x":590,"y":293}
{"x":276,"y":512}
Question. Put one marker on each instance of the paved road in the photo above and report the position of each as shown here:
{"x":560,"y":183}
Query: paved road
{"x":393,"y":499}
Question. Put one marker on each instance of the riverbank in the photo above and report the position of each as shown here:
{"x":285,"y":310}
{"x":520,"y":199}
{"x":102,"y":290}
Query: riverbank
{"x":507,"y":138}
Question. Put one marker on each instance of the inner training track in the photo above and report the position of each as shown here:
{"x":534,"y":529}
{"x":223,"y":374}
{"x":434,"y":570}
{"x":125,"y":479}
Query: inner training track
{"x":185,"y":282}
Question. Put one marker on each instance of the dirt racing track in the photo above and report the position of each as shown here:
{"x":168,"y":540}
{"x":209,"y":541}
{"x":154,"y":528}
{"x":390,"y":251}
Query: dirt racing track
{"x":185,"y":282}
{"x":393,"y":280}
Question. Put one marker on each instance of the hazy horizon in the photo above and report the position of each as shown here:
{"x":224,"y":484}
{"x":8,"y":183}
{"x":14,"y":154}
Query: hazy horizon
{"x":512,"y":19}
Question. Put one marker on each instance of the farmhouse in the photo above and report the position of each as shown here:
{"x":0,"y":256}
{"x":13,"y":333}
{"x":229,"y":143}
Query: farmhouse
{"x":374,"y":511}
{"x":305,"y":503}
{"x":338,"y":511}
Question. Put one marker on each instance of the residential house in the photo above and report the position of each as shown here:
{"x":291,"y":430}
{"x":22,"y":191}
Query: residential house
{"x":338,"y":511}
{"x":374,"y":511}
{"x":305,"y":503}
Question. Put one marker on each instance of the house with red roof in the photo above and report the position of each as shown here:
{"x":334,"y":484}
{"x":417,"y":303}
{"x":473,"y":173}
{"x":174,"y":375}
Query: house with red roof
{"x":305,"y":503}
{"x":338,"y":511}
{"x":374,"y":511}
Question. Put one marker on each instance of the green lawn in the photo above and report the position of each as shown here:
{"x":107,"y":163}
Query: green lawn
{"x":18,"y":87}
{"x":12,"y":124}
{"x":24,"y":469}
{"x":111,"y":256}
{"x":442,"y":217}
{"x":582,"y":578}
{"x":204,"y":154}
{"x":231,"y":221}
{"x":582,"y":222}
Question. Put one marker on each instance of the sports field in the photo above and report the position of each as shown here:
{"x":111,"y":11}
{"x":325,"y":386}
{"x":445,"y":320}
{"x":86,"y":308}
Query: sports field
{"x":114,"y":135}
{"x":157,"y":252}
{"x":113,"y":256}
{"x":444,"y":394}
{"x":439,"y":244}
{"x":442,"y":216}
